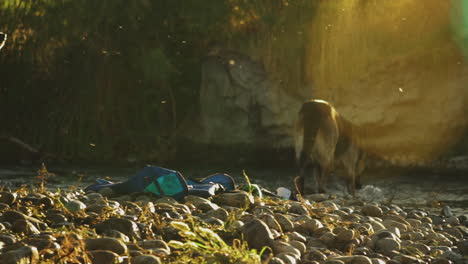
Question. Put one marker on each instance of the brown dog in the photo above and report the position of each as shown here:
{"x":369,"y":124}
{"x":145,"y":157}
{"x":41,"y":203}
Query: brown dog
{"x":325,"y":139}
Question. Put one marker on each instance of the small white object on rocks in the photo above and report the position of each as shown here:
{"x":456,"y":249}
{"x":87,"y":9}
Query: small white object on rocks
{"x":284,"y":193}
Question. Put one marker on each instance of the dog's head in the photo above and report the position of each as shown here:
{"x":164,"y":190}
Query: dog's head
{"x":3,"y":38}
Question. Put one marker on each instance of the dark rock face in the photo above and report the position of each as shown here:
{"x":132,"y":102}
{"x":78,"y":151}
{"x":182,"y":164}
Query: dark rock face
{"x":241,"y":104}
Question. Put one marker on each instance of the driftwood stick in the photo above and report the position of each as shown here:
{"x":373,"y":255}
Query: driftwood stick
{"x":20,"y":143}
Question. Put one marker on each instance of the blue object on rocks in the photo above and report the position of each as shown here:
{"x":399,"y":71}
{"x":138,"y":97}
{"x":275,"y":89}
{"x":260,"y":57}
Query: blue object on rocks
{"x":162,"y":181}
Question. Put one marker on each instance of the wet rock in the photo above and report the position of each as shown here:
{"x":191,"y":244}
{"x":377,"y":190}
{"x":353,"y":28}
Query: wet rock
{"x":309,"y":226}
{"x":287,"y":258}
{"x":55,"y":218}
{"x":8,"y":198}
{"x":463,"y":247}
{"x":377,"y":261}
{"x":219,"y":213}
{"x":12,"y":216}
{"x":343,"y":234}
{"x":446,"y":211}
{"x":328,"y":239}
{"x":145,"y":259}
{"x":298,"y":209}
{"x":354,"y":259}
{"x":7,"y":239}
{"x":421,"y":247}
{"x":334,"y":261}
{"x":153,"y":244}
{"x":276,"y":260}
{"x":441,"y":261}
{"x":42,"y":242}
{"x":314,"y":255}
{"x":126,"y":226}
{"x":283,"y":247}
{"x":213,"y":221}
{"x":200,"y":203}
{"x":371,"y":210}
{"x":22,"y":255}
{"x":271,"y":222}
{"x":239,"y":199}
{"x":106,"y":243}
{"x":298,"y":245}
{"x":257,"y":234}
{"x":103,"y":257}
{"x":453,"y":220}
{"x":317,"y":197}
{"x":406,"y":259}
{"x":297,"y":236}
{"x":387,"y":245}
{"x":452,"y":256}
{"x":25,"y":227}
{"x":391,"y":223}
{"x":75,"y":206}
{"x":116,"y":234}
{"x":286,"y":224}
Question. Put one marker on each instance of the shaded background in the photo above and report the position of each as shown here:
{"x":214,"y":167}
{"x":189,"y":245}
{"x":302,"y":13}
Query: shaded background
{"x":177,"y":82}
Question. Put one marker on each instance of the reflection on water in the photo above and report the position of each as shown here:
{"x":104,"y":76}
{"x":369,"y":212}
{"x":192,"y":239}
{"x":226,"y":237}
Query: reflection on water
{"x":421,"y":189}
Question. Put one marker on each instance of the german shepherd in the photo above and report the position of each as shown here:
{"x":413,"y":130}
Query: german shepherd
{"x":324,"y":140}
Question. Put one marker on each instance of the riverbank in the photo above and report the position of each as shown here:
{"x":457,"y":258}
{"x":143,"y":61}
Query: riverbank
{"x":43,"y":225}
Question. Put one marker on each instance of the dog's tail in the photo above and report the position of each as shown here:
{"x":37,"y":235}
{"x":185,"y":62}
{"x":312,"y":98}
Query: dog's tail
{"x":311,"y":117}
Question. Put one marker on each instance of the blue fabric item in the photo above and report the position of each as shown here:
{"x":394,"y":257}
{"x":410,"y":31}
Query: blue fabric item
{"x":158,"y":180}
{"x":224,"y":180}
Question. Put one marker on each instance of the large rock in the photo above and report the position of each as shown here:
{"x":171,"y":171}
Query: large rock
{"x":241,"y":104}
{"x":257,"y":234}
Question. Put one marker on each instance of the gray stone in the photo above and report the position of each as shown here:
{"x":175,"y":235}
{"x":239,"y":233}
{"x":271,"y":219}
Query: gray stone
{"x":8,"y":198}
{"x":275,"y":260}
{"x":387,"y":245}
{"x":314,"y":255}
{"x":354,"y":259}
{"x":317,"y":197}
{"x":452,"y":220}
{"x":286,"y":224}
{"x":463,"y":247}
{"x":126,"y":226}
{"x":25,"y":227}
{"x":257,"y":234}
{"x":309,"y":226}
{"x":106,"y":243}
{"x":283,"y":247}
{"x":145,"y":259}
{"x":22,"y":255}
{"x":219,"y":213}
{"x":446,"y":211}
{"x":299,"y":245}
{"x":271,"y":222}
{"x":75,"y":206}
{"x":103,"y":257}
{"x":287,"y":257}
{"x":452,"y":256}
{"x":239,"y":199}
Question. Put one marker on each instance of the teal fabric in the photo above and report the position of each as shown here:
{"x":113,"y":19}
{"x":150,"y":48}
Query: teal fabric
{"x":170,"y":184}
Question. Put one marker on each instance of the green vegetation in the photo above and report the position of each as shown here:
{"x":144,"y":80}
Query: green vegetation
{"x":109,"y":80}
